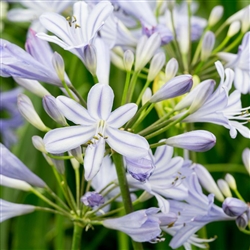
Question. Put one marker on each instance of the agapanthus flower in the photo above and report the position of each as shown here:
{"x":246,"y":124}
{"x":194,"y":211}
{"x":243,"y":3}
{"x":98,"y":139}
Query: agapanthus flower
{"x":97,"y":126}
{"x":12,"y":167}
{"x":240,"y":64}
{"x":34,"y":10}
{"x":79,"y":31}
{"x":14,"y":120}
{"x":9,"y":210}
{"x":193,"y":215}
{"x":142,"y":225}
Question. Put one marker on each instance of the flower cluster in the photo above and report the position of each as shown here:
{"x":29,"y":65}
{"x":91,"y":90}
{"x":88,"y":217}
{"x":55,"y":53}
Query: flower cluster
{"x":131,"y":141}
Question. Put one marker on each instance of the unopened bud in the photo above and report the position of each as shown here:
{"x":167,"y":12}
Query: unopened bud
{"x":77,"y":153}
{"x":14,"y":183}
{"x":146,"y":96}
{"x":27,"y":110}
{"x":198,"y":141}
{"x":177,"y":86}
{"x":242,"y":221}
{"x":50,"y":106}
{"x":156,"y":65}
{"x":128,"y":60}
{"x":223,"y":186}
{"x":38,"y":143}
{"x":92,"y":199}
{"x":246,"y":159}
{"x":233,"y":28}
{"x":89,"y":55}
{"x":170,"y":4}
{"x":231,"y":181}
{"x":171,"y":69}
{"x":58,"y":65}
{"x":215,"y":15}
{"x":207,"y":45}
{"x":33,"y":86}
{"x":234,"y":207}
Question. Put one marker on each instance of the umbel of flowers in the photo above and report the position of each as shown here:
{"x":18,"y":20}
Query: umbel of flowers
{"x":127,"y":152}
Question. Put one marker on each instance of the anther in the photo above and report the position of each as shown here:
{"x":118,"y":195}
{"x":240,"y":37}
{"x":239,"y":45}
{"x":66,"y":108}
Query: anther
{"x":77,"y":26}
{"x":95,"y":137}
{"x":100,"y":134}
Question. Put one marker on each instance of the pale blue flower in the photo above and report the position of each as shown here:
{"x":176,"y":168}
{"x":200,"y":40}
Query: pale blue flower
{"x":92,"y":199}
{"x":142,"y":225}
{"x":14,"y":120}
{"x":80,"y":31}
{"x":34,"y":10}
{"x":246,"y":159}
{"x":34,"y":65}
{"x":9,"y":210}
{"x":97,"y":126}
{"x":240,"y":63}
{"x":12,"y":167}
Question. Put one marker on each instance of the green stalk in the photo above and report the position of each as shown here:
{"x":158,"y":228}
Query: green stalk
{"x":160,"y":131}
{"x":121,"y":174}
{"x":77,"y":177}
{"x":76,"y":237}
{"x":221,"y":46}
{"x":132,"y":87}
{"x":67,"y":88}
{"x":142,"y":92}
{"x":83,"y":102}
{"x":60,"y":157}
{"x":125,"y":91}
{"x":234,"y":43}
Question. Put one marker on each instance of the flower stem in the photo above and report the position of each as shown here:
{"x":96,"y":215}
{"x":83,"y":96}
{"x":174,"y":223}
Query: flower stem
{"x":121,"y":174}
{"x":125,"y":91}
{"x":76,"y":237}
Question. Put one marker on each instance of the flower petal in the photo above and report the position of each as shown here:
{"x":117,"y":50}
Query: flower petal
{"x":73,"y":111}
{"x":64,"y":139}
{"x":93,"y":158}
{"x":121,"y":115}
{"x":127,"y":144}
{"x":100,"y":101}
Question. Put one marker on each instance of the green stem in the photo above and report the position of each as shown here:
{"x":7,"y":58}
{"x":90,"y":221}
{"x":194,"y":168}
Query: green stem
{"x":76,"y":236}
{"x":49,"y":202}
{"x":125,"y":91}
{"x":46,"y":209}
{"x":67,"y":88}
{"x":219,"y":48}
{"x":160,"y":131}
{"x":155,"y":145}
{"x":77,"y":177}
{"x":142,"y":92}
{"x":234,"y":43}
{"x":238,"y":194}
{"x":121,"y":174}
{"x":245,"y":231}
{"x":83,"y":102}
{"x":132,"y":87}
{"x":60,"y":157}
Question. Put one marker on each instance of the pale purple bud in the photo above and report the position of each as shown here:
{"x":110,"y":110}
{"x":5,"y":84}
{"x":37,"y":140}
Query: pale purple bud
{"x":198,"y":141}
{"x":207,"y":181}
{"x":92,"y":199}
{"x":33,"y":86}
{"x":171,"y":69}
{"x":51,"y":108}
{"x":27,"y":110}
{"x":9,"y":210}
{"x":12,"y":167}
{"x":240,"y":15}
{"x":38,"y":143}
{"x":234,"y":207}
{"x":234,"y":28}
{"x":140,"y":169}
{"x":201,"y":97}
{"x":242,"y":221}
{"x":146,"y":48}
{"x":246,"y":159}
{"x":231,"y":181}
{"x":90,"y":59}
{"x":177,"y":86}
{"x":58,"y":64}
{"x":183,"y":39}
{"x":77,"y":153}
{"x":215,"y":15}
{"x":207,"y":45}
{"x":146,"y":96}
{"x":156,"y":65}
{"x":245,"y":21}
{"x":223,"y":186}
{"x":128,"y":60}
{"x":14,"y":183}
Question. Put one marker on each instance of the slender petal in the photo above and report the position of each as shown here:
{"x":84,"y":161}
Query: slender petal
{"x":64,"y":139}
{"x":122,"y":114}
{"x":127,"y":144}
{"x":100,"y":101}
